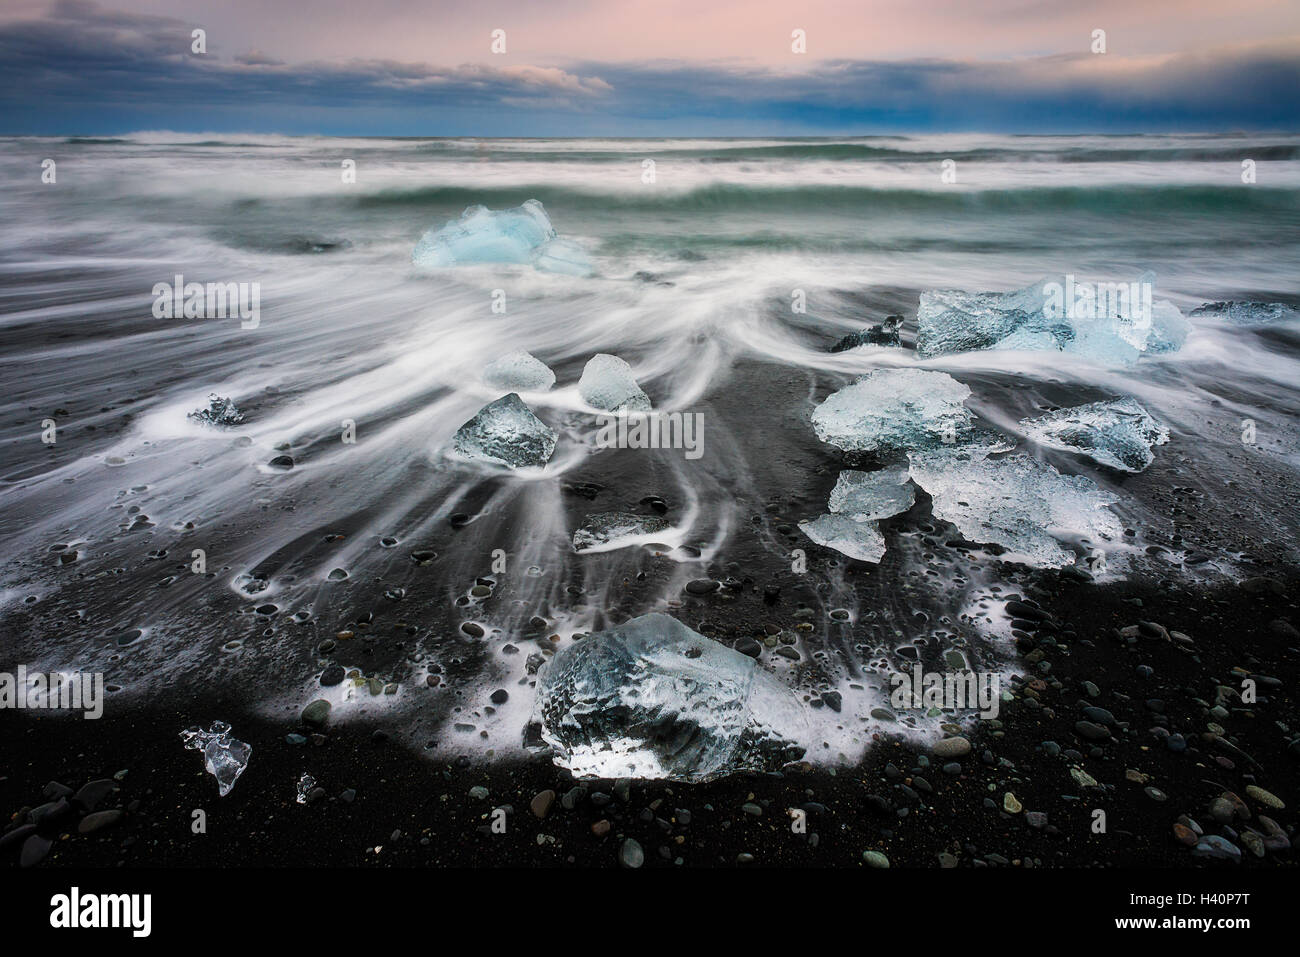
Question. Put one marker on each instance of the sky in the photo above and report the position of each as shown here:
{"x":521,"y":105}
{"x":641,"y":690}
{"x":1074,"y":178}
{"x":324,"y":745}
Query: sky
{"x":647,"y":67}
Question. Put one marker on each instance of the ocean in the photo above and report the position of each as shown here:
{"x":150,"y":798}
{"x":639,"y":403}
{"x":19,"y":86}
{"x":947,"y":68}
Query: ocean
{"x":376,"y":554}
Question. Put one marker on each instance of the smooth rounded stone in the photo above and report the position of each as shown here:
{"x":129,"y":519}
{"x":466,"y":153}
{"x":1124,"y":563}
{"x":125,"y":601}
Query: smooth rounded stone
{"x":333,"y":675}
{"x":1284,"y":629}
{"x":833,"y":700}
{"x":1093,"y":732}
{"x":952,"y":768}
{"x":337,"y":574}
{"x":1185,"y":835}
{"x":1275,"y":838}
{"x":744,"y":857}
{"x":473,"y":629}
{"x":542,"y":802}
{"x":297,"y":740}
{"x":630,"y":854}
{"x":954,"y":747}
{"x":17,"y":836}
{"x":1155,"y":794}
{"x":1217,"y":848}
{"x":1010,"y":804}
{"x":480,"y":591}
{"x":752,"y":809}
{"x":947,"y":861}
{"x":500,"y":696}
{"x":749,"y":646}
{"x":99,"y":820}
{"x":600,"y":828}
{"x":701,"y":586}
{"x":875,"y":859}
{"x":570,"y":799}
{"x":93,"y":793}
{"x":316,"y":714}
{"x":1253,"y":843}
{"x":1036,"y":819}
{"x":35,"y":848}
{"x":1264,"y":797}
{"x":281,"y":463}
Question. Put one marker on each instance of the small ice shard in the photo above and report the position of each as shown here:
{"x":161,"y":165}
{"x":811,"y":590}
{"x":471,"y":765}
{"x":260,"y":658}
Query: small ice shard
{"x":860,"y":540}
{"x":858,"y":500}
{"x":519,"y":372}
{"x":894,"y":409}
{"x":865,"y":496}
{"x":1246,"y":313}
{"x":1017,"y":502}
{"x":305,"y":784}
{"x":507,"y":433}
{"x":653,"y":699}
{"x":605,"y":531}
{"x":521,"y":235}
{"x":607,"y":383}
{"x":883,"y":334}
{"x":224,"y":757}
{"x":1104,"y":321}
{"x":220,"y":412}
{"x":1118,"y":433}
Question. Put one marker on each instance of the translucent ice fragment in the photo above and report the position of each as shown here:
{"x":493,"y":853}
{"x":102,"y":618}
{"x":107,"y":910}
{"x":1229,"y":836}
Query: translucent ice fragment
{"x":1118,"y":433}
{"x":1017,"y":502}
{"x":864,"y":496}
{"x":607,"y":383}
{"x":224,"y":757}
{"x":883,"y":334}
{"x":305,"y":784}
{"x":605,"y":531}
{"x":519,"y":372}
{"x":653,"y":699}
{"x":1106,"y":321}
{"x":894,"y":409}
{"x":1247,"y":313}
{"x":506,"y":432}
{"x":220,"y":412}
{"x":857,"y":539}
{"x":521,"y":235}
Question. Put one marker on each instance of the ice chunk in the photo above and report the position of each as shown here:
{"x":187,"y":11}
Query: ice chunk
{"x":305,"y":784}
{"x":858,"y":499}
{"x":1104,"y":321}
{"x":520,"y":235}
{"x":857,"y":539}
{"x":224,"y":757}
{"x":519,"y":372}
{"x":1118,"y":433}
{"x":653,"y":699}
{"x":894,"y":409}
{"x":220,"y":412}
{"x":864,"y":496}
{"x":507,"y":433}
{"x":562,"y":256}
{"x":1017,"y":502}
{"x":1247,"y":313}
{"x":604,"y":531}
{"x":883,"y":334}
{"x":607,"y":383}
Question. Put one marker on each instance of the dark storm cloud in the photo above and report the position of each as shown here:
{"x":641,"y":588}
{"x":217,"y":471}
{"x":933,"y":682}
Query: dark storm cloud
{"x":84,"y":68}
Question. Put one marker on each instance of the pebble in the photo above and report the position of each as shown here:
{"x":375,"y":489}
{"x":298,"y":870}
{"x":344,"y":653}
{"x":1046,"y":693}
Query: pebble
{"x":99,"y":820}
{"x":1264,"y":797}
{"x":478,"y":792}
{"x":1216,"y":848}
{"x":316,"y":714}
{"x":1010,"y":804}
{"x":875,"y":859}
{"x":541,"y":803}
{"x":954,"y":747}
{"x":630,"y":854}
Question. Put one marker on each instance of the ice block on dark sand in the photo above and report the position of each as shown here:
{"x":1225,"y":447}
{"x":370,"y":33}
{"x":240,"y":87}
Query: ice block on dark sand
{"x":506,"y":432}
{"x":653,"y":699}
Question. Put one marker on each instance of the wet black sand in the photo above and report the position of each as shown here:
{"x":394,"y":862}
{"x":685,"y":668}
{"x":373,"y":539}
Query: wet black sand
{"x":409,"y":810}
